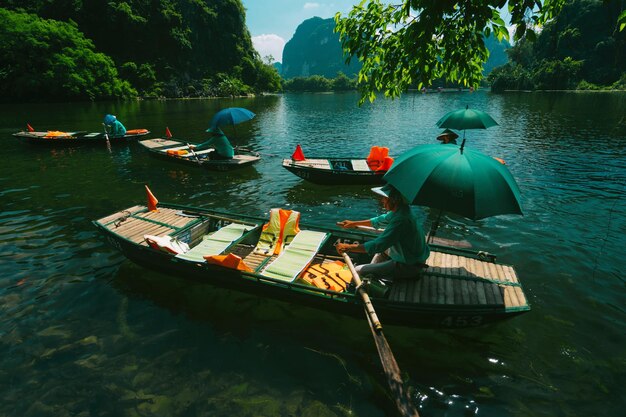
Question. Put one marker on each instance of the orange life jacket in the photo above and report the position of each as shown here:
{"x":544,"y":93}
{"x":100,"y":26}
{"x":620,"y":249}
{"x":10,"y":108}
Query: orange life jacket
{"x":334,"y":276}
{"x":378,"y":159}
{"x":229,"y":261}
{"x":280,"y":230}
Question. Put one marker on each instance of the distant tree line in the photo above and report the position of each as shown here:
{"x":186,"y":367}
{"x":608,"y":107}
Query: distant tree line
{"x":583,"y":48}
{"x":318,"y":83}
{"x":99,"y":49}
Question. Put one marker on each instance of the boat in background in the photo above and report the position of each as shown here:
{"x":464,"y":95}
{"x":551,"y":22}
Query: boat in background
{"x":180,"y":151}
{"x":59,"y":138}
{"x":279,"y":259}
{"x":341,"y":171}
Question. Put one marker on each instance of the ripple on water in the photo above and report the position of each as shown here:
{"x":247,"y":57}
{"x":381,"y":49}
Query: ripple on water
{"x":123,"y":340}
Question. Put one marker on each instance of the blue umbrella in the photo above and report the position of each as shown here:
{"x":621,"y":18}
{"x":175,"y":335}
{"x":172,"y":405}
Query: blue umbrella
{"x":230,"y":116}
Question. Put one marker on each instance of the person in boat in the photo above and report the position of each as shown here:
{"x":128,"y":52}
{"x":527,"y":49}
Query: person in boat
{"x":220,"y":143}
{"x":401,"y":250}
{"x":447,"y":136}
{"x":114,"y":127}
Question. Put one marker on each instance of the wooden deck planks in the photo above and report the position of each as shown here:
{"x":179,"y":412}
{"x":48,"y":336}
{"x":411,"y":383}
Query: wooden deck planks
{"x":449,"y":290}
{"x":465,"y":295}
{"x":432,"y":289}
{"x":521,"y":298}
{"x":480,"y":291}
{"x":253,"y":260}
{"x":156,"y":231}
{"x":441,"y":291}
{"x":424,"y":290}
{"x":489,"y":292}
{"x":459,"y":280}
{"x":457,"y":290}
{"x":497,"y":295}
{"x":417,"y":291}
{"x":510,"y":298}
{"x":168,"y":216}
{"x":119,"y":214}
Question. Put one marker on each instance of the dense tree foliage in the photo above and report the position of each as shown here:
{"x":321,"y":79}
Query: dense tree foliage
{"x":418,"y":41}
{"x":581,"y":45}
{"x":48,"y":58}
{"x":168,"y":46}
{"x":318,"y":83}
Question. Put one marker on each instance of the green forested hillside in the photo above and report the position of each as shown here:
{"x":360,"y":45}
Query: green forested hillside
{"x":161,"y":47}
{"x":581,"y":48}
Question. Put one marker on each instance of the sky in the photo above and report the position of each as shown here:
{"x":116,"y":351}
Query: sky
{"x":272,"y":23}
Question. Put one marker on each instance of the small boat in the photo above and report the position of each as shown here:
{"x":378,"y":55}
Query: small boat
{"x":341,"y":171}
{"x":335,"y":171}
{"x":59,"y":138}
{"x":277,"y":258}
{"x":175,"y":150}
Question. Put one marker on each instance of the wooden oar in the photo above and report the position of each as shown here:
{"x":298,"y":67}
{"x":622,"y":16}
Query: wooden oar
{"x":390,"y":366}
{"x":106,"y":135}
{"x":193,"y":153}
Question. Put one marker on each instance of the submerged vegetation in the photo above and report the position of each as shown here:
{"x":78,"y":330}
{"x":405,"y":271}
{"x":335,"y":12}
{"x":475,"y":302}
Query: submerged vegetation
{"x":60,"y":50}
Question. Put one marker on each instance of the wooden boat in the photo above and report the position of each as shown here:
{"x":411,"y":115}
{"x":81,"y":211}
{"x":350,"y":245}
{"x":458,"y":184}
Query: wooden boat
{"x":58,"y":138}
{"x":341,"y":171}
{"x":460,"y":288}
{"x":179,"y":151}
{"x":335,"y":171}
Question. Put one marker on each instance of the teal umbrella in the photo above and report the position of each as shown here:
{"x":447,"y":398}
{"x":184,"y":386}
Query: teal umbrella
{"x":230,"y":116}
{"x":461,"y":181}
{"x":466,"y":118}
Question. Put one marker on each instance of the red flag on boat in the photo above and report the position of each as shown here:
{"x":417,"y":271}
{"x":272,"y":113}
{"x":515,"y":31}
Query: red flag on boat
{"x":298,"y":155}
{"x":152,"y":200}
{"x":168,"y":134}
{"x":29,"y":127}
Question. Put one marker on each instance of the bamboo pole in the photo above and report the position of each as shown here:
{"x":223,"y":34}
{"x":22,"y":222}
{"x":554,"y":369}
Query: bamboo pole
{"x":388,"y":361}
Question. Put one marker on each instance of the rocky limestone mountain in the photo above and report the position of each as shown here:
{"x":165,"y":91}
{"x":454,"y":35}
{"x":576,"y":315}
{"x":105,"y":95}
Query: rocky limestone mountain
{"x":315,"y":50}
{"x":497,"y":54}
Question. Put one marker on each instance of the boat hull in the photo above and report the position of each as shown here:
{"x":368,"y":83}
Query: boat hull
{"x":159,"y":147}
{"x":77,"y":138}
{"x":329,"y":174}
{"x":406,"y":313}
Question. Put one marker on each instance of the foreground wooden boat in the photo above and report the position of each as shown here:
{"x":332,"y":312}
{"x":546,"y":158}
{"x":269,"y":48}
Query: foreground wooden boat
{"x":459,"y":289}
{"x":58,"y":138}
{"x":179,"y":151}
{"x":335,"y":171}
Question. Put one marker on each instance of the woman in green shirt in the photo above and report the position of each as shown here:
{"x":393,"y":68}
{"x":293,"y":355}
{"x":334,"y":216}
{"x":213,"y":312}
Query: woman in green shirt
{"x":401,"y":250}
{"x":218,"y":141}
{"x":113,"y":126}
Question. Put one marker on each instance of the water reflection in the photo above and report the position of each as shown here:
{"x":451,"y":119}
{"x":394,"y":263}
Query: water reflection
{"x":79,"y":318}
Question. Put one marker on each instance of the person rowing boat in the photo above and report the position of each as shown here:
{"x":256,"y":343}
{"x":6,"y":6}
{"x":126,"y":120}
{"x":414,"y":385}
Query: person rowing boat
{"x":401,"y":250}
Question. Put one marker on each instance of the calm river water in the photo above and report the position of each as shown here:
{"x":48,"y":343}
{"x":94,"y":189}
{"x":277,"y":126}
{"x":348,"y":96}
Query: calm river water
{"x":84,"y":332}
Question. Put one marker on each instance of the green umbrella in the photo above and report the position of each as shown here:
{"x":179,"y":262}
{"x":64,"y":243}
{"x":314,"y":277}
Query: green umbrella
{"x":465,"y":182}
{"x":466,"y":118}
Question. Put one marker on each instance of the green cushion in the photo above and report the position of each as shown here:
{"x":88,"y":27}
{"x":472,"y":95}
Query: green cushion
{"x":296,"y":256}
{"x":216,"y":243}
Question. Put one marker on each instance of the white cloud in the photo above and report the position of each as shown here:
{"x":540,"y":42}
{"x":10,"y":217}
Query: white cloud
{"x":270,"y":44}
{"x":311,"y":5}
